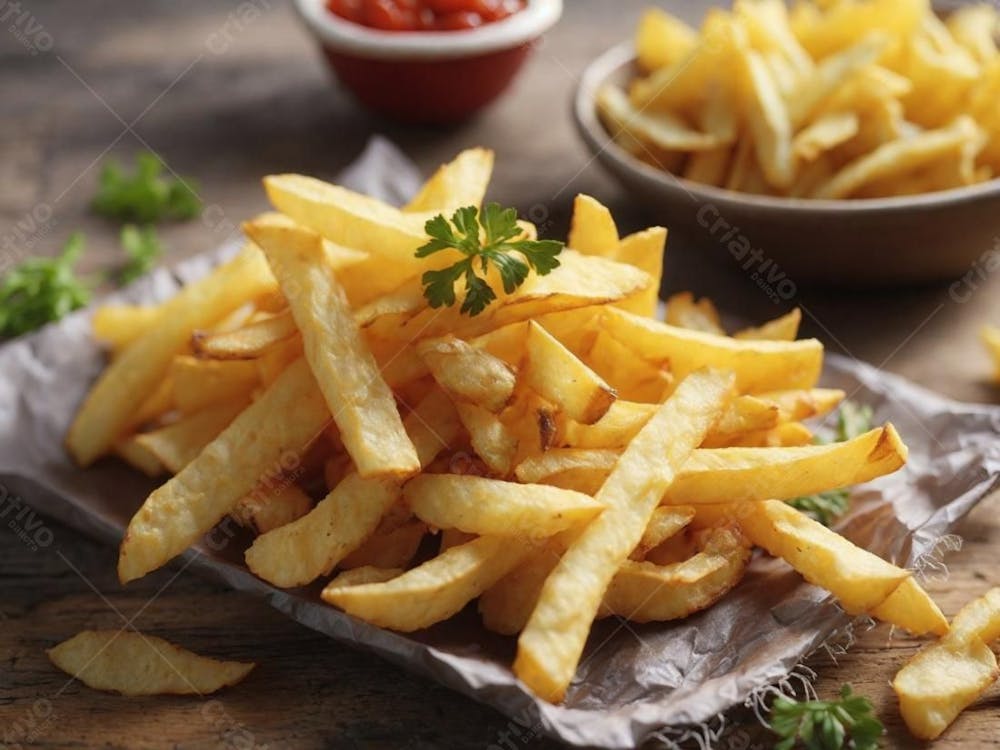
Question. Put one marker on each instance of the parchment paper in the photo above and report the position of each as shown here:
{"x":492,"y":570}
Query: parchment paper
{"x":634,"y":680}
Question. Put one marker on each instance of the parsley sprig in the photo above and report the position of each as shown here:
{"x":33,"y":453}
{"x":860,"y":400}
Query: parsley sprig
{"x":826,"y":725}
{"x":146,"y":195}
{"x":142,"y":248}
{"x":483,"y":238}
{"x":42,"y":290}
{"x":826,"y":507}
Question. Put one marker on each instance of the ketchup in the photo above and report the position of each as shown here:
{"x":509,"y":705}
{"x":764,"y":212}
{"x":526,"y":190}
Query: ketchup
{"x":424,"y":15}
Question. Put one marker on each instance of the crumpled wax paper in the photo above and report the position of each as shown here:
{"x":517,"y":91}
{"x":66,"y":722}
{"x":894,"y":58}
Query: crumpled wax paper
{"x":634,"y":680}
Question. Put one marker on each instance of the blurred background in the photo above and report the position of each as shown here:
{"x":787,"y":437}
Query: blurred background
{"x":226,"y":92}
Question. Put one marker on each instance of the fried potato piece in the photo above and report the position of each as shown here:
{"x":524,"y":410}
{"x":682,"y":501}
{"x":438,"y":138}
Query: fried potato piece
{"x":769,"y":120}
{"x":661,"y":130}
{"x":120,"y":325}
{"x":131,"y":663}
{"x":644,"y":250}
{"x":825,"y":133}
{"x":665,"y":522}
{"x":785,"y":328}
{"x":759,"y":365}
{"x":911,"y":608}
{"x":684,"y":312}
{"x":900,"y":156}
{"x":551,"y":643}
{"x":823,"y":31}
{"x":492,"y":507}
{"x":111,"y":405}
{"x":645,"y":592}
{"x":302,"y":551}
{"x":247,"y":342}
{"x":461,"y":182}
{"x":469,"y":373}
{"x":491,"y":439}
{"x":661,"y":39}
{"x":139,"y":456}
{"x":632,"y":377}
{"x":346,"y":218}
{"x":391,"y":549}
{"x":720,"y":475}
{"x":946,"y":677}
{"x":365,"y":574}
{"x":860,"y":580}
{"x":506,"y":605}
{"x":266,"y":509}
{"x":179,"y":443}
{"x":201,"y":383}
{"x":175,"y":515}
{"x":557,"y":375}
{"x":431,"y":592}
{"x":361,"y":403}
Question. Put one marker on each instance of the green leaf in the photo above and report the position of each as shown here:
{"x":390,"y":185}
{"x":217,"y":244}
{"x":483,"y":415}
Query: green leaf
{"x":853,"y":420}
{"x":146,"y":195}
{"x":826,"y":725}
{"x":42,"y":290}
{"x":483,"y":238}
{"x":142,"y":248}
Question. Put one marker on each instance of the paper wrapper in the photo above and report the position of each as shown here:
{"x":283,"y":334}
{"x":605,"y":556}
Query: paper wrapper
{"x":634,"y":681}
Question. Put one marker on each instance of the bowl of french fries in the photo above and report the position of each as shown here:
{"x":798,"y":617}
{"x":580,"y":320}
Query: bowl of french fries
{"x":844,"y":142}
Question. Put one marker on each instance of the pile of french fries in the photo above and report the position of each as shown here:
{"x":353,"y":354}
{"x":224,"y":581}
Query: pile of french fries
{"x":562,"y":457}
{"x":833,"y":99}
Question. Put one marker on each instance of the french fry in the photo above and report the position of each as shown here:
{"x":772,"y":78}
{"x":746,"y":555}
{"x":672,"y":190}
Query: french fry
{"x":461,"y":182}
{"x":759,"y":365}
{"x":138,"y":455}
{"x":557,"y":375}
{"x":769,"y":121}
{"x":684,"y":312}
{"x":665,"y":522}
{"x":430,"y":592}
{"x":248,"y":342}
{"x":911,"y":608}
{"x":785,"y":328}
{"x":491,"y":439}
{"x":469,"y":373}
{"x":661,"y":39}
{"x":551,"y":643}
{"x":120,"y":325}
{"x":201,"y":383}
{"x":991,"y":338}
{"x":311,"y":546}
{"x":176,"y":514}
{"x":179,"y":443}
{"x":357,"y":396}
{"x":491,"y":507}
{"x":130,"y":663}
{"x":392,"y":549}
{"x":111,"y":404}
{"x":860,"y":580}
{"x":266,"y":510}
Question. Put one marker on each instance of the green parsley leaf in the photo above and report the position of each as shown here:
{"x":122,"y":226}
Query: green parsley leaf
{"x":826,"y":507}
{"x":42,"y":290}
{"x":826,"y":725}
{"x":483,"y":238}
{"x":142,"y":248}
{"x":146,"y":195}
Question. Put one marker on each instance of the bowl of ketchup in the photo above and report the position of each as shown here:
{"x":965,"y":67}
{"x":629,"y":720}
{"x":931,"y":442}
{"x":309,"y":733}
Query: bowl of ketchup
{"x":427,"y":61}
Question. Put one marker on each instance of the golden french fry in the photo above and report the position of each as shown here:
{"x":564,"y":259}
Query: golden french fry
{"x":991,"y":338}
{"x":759,"y":365}
{"x":179,"y":443}
{"x":393,"y":549}
{"x":491,"y":507}
{"x":946,"y":677}
{"x":769,"y":121}
{"x":365,"y":574}
{"x":825,"y":30}
{"x":266,"y":508}
{"x":665,"y":522}
{"x":550,"y":645}
{"x":659,"y":129}
{"x":175,"y":515}
{"x":492,"y":441}
{"x":912,"y":608}
{"x":632,"y":377}
{"x":120,"y":325}
{"x":111,"y":405}
{"x":248,"y":342}
{"x":469,"y":373}
{"x":430,"y":592}
{"x":644,"y":250}
{"x":684,"y":312}
{"x":860,"y":580}
{"x":304,"y":550}
{"x":139,"y":456}
{"x":201,"y":383}
{"x":785,"y":328}
{"x":825,"y":133}
{"x":359,"y":400}
{"x":130,"y":663}
{"x":459,"y":183}
{"x":661,"y":39}
{"x":645,"y":592}
{"x":556,"y":374}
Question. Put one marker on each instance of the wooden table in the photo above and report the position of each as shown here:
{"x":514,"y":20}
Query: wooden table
{"x":119,"y":78}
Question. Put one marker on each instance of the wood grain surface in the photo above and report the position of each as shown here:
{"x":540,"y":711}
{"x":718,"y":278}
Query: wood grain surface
{"x":227,"y":98}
